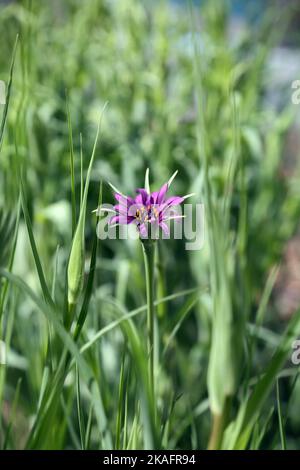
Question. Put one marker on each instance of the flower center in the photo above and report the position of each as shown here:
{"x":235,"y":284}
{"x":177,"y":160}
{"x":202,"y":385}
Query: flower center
{"x":145,"y":214}
{"x":141,"y":214}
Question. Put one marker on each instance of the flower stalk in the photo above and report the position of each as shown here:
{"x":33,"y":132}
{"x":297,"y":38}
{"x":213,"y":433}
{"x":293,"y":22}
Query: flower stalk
{"x":149,"y":257}
{"x":151,"y":213}
{"x":218,"y":426}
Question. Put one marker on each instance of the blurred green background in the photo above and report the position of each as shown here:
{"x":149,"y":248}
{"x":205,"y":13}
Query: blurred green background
{"x":139,"y":56}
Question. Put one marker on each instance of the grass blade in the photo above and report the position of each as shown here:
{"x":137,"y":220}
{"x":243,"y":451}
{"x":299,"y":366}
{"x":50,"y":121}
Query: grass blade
{"x":79,"y":411}
{"x":280,"y":420}
{"x":38,"y":264}
{"x":72,"y":173}
{"x":8,"y":92}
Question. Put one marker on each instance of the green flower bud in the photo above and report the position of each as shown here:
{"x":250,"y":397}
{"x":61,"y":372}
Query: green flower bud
{"x":76,"y":263}
{"x":77,"y":255}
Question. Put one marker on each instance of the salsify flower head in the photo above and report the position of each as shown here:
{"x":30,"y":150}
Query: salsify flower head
{"x":148,"y":211}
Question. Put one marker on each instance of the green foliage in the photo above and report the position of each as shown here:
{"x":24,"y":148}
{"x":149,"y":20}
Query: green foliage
{"x":73,"y":316}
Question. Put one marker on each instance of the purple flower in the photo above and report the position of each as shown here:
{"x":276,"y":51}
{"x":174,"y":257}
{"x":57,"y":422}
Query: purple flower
{"x":148,"y":211}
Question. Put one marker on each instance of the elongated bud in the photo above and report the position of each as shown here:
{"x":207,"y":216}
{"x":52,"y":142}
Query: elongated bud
{"x":77,"y":255}
{"x":226,"y":350}
{"x":76,"y":264}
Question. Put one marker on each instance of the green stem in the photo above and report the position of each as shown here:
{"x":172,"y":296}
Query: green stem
{"x":69,"y":315}
{"x":218,"y":426}
{"x":161,"y":287}
{"x":149,"y":255}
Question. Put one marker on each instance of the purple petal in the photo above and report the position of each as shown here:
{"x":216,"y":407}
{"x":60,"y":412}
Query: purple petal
{"x":165,"y":228}
{"x":143,"y":230}
{"x":124,"y":200}
{"x":142,"y":197}
{"x":121,"y":209}
{"x":139,"y":200}
{"x":114,"y":219}
{"x":171,"y":201}
{"x":167,"y":212}
{"x":161,"y":194}
{"x":153,"y":197}
{"x":121,"y":219}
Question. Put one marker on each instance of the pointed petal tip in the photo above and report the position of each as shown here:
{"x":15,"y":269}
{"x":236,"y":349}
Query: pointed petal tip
{"x":116,"y":190}
{"x":188,"y":195}
{"x":172,"y":178}
{"x":102,"y":209}
{"x":147,"y":184}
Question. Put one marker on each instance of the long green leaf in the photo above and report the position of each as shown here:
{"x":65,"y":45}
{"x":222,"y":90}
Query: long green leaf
{"x":8,"y":93}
